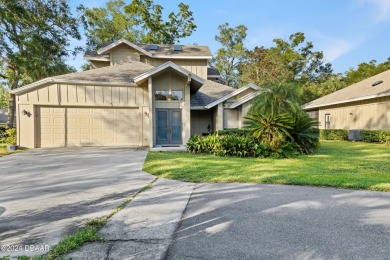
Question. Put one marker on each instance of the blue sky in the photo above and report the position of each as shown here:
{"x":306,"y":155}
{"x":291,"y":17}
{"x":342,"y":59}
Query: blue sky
{"x":347,"y":31}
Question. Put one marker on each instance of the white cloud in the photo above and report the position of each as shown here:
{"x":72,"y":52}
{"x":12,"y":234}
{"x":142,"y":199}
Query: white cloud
{"x":380,"y":9}
{"x":333,"y":48}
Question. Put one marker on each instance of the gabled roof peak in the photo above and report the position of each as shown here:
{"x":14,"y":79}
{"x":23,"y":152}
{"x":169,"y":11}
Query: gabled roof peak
{"x":171,"y":51}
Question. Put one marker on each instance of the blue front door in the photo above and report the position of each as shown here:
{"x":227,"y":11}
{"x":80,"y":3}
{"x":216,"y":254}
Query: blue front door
{"x":168,"y":123}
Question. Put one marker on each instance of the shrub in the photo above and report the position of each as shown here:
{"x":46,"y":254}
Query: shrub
{"x":375,"y":136}
{"x":304,"y":133}
{"x":239,"y":146}
{"x":333,"y":134}
{"x":2,"y":130}
{"x":224,"y":145}
{"x":237,"y":132}
{"x":9,"y":136}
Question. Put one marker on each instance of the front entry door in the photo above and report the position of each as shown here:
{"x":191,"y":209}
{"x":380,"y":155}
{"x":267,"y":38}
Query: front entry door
{"x":168,"y":127}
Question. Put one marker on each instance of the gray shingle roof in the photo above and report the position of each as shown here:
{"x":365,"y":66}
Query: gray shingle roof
{"x":358,"y":91}
{"x":165,"y":49}
{"x":210,"y":92}
{"x":116,"y":73}
{"x":188,"y":50}
{"x":212,"y":71}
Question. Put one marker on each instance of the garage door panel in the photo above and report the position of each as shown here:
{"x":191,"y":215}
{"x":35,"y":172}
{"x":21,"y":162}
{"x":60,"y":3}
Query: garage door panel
{"x":52,"y":126}
{"x":89,"y":127}
{"x":103,"y":127}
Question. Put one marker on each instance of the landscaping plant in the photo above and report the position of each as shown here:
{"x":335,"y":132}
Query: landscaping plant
{"x":276,"y":120}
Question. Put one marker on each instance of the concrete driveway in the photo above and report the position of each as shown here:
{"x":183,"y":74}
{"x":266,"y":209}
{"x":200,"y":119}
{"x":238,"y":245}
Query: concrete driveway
{"x":46,"y":194}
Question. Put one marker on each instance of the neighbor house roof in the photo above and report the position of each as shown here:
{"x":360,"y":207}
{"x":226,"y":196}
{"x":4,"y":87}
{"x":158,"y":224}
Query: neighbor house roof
{"x":123,"y":74}
{"x":376,"y":86}
{"x":162,"y":51}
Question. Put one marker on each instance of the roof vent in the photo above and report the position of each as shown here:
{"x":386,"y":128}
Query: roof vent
{"x":377,"y":83}
{"x":177,"y":48}
{"x":153,"y":47}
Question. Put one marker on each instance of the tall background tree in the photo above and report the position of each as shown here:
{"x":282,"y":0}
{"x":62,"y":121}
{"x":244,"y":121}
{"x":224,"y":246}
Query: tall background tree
{"x":34,"y":41}
{"x":138,"y":21}
{"x":230,"y":56}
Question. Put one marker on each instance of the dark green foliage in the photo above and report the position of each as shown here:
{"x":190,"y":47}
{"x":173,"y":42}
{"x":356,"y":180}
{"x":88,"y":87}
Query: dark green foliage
{"x":272,"y":129}
{"x":375,"y":136}
{"x":238,"y":132}
{"x":333,"y":134}
{"x":136,"y":21}
{"x":8,"y":136}
{"x":276,"y":99}
{"x":239,"y":146}
{"x":304,"y":133}
{"x":225,"y":145}
{"x":277,"y":120}
{"x":35,"y":39}
{"x":229,"y":57}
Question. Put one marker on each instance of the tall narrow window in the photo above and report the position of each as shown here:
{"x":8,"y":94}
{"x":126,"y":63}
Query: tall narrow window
{"x":327,"y":121}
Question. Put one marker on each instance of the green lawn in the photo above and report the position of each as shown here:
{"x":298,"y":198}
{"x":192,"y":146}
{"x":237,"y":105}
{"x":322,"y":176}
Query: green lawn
{"x":5,"y":151}
{"x":352,"y":165}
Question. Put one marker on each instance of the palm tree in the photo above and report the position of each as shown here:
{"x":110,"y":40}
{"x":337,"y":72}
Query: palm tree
{"x":304,"y":132}
{"x":276,"y":99}
{"x":271,"y":129}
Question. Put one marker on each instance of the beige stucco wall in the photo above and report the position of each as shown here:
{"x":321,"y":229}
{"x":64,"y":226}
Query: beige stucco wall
{"x":123,"y":53}
{"x":170,"y":79}
{"x":200,"y":120}
{"x":61,"y":95}
{"x":196,"y":66}
{"x":98,"y":64}
{"x":234,"y":118}
{"x":231,"y":118}
{"x":370,"y":114}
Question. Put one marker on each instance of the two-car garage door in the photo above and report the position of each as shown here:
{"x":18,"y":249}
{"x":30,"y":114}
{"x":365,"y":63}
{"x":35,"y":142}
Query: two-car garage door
{"x":60,"y":126}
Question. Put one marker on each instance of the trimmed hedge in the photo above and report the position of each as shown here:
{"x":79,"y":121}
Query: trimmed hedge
{"x":224,"y":145}
{"x":333,"y":134}
{"x":239,"y":146}
{"x":375,"y":136}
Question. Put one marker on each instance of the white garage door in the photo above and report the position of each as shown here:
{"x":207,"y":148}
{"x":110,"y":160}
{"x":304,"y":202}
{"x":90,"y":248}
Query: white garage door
{"x":89,"y":126}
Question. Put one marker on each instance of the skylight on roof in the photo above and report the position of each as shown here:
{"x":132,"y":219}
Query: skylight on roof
{"x":177,"y":48}
{"x":377,"y":83}
{"x":153,"y":47}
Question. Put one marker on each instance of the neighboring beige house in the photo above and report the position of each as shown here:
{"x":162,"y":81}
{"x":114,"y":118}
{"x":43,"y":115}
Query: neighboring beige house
{"x":136,"y":95}
{"x":363,"y":105}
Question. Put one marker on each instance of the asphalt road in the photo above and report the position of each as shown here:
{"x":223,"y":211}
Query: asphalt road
{"x":238,"y":221}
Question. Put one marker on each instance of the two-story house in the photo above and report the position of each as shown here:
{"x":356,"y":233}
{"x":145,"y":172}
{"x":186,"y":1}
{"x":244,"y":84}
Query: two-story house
{"x":134,"y":95}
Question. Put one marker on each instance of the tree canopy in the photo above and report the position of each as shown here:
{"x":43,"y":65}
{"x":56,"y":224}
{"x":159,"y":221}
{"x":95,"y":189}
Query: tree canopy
{"x":139,"y":21}
{"x":34,"y":40}
{"x":230,"y":56}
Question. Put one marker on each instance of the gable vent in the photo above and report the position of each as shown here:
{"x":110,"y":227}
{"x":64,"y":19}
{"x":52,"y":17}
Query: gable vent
{"x":177,"y":48}
{"x":153,"y":47}
{"x":377,"y":83}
